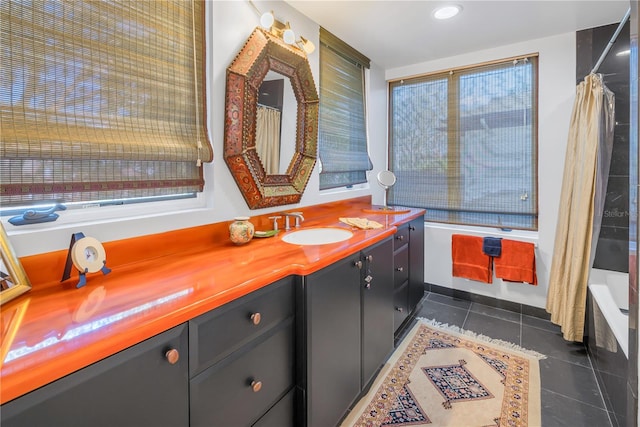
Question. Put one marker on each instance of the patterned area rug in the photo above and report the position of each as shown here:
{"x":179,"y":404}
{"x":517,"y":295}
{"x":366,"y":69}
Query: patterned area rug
{"x":444,"y":376}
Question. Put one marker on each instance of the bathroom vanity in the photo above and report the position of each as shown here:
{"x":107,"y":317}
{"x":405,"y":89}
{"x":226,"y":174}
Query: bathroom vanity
{"x":268,"y":333}
{"x":347,"y":331}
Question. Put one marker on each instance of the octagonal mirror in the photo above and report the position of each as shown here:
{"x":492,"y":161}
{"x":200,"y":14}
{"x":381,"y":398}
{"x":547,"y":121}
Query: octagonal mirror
{"x":246,"y":152}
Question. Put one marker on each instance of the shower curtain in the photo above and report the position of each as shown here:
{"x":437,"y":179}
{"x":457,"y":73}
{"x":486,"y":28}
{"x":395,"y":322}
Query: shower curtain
{"x":584,"y":187}
{"x":268,"y":138}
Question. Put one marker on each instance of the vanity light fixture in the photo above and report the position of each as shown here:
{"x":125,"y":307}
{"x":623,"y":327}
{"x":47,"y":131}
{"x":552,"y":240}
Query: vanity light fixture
{"x":288,"y":35}
{"x":267,"y":19}
{"x":447,"y":12}
{"x":306,"y":45}
{"x":283,"y":31}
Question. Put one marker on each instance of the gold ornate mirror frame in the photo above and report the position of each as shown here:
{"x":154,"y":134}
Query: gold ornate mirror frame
{"x":13,"y":279}
{"x":263,"y":52}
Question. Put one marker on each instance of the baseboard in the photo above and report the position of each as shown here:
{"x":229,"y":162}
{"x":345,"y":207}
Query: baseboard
{"x":492,"y":302}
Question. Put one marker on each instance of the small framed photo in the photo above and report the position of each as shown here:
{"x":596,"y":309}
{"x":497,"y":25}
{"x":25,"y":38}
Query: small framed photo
{"x":13,"y":279}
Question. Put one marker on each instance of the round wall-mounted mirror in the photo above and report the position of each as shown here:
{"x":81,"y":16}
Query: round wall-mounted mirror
{"x":263,"y":58}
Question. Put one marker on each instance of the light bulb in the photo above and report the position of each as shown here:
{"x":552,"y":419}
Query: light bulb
{"x":447,"y":12}
{"x":289,"y":36}
{"x":266,"y":20}
{"x":306,"y":45}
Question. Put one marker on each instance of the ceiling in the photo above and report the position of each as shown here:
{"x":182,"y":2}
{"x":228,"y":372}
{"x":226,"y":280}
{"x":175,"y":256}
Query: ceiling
{"x":398,"y":33}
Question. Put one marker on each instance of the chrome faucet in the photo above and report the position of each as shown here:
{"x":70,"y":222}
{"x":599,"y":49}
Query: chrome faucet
{"x":275,"y":221}
{"x":297,"y":215}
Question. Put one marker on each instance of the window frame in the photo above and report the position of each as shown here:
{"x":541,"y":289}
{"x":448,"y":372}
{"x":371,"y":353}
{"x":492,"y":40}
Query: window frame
{"x":130,"y":220}
{"x":453,"y":123}
{"x":62,"y":185}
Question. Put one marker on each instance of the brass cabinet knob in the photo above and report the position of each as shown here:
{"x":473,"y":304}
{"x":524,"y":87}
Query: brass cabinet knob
{"x":256,"y":386}
{"x":172,"y":356}
{"x":255,"y":318}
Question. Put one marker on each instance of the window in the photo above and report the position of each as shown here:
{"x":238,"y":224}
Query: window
{"x":101,"y":100}
{"x":342,"y":133}
{"x":463,"y":144}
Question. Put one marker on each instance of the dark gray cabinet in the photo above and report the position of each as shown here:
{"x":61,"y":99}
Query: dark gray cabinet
{"x":331,"y":377}
{"x":138,"y":386}
{"x":298,"y":352}
{"x":242,"y":360}
{"x":416,"y":262}
{"x":346,"y":331}
{"x":408,"y":271}
{"x":235,"y":367}
{"x":377,"y":313}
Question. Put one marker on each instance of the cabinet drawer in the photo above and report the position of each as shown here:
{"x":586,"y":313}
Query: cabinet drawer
{"x":135,"y":387}
{"x":223,"y":395}
{"x":218,"y":333}
{"x":401,"y":267}
{"x":282,"y":414}
{"x":401,"y":237}
{"x":400,"y":305}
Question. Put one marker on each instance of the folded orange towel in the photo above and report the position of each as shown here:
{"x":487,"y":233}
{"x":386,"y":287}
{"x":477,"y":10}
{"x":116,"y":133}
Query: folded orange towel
{"x":517,"y":263}
{"x":468,"y":259}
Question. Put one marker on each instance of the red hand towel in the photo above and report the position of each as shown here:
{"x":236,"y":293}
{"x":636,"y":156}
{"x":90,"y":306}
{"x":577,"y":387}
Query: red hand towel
{"x":517,"y":263}
{"x":468,"y":259}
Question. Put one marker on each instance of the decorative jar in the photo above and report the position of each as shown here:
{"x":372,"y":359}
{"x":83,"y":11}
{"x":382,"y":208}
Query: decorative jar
{"x":241,"y":230}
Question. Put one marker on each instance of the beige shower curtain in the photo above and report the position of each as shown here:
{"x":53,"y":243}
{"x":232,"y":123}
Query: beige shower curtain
{"x":268,"y":138}
{"x":584,"y":186}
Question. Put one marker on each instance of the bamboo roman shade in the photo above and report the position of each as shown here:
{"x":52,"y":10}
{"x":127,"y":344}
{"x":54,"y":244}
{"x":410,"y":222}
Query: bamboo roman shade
{"x":101,"y":99}
{"x":463,"y":144}
{"x":342,"y":128}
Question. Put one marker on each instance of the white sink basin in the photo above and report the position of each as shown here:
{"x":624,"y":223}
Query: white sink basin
{"x":317,"y":236}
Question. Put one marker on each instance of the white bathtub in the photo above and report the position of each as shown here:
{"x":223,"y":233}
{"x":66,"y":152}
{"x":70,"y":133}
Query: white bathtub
{"x":611,"y":294}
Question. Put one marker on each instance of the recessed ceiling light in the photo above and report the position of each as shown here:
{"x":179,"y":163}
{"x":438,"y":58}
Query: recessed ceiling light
{"x":446,"y":12}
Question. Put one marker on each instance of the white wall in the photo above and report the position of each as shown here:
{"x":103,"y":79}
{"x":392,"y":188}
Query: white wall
{"x":556,"y":93}
{"x":229,"y":25}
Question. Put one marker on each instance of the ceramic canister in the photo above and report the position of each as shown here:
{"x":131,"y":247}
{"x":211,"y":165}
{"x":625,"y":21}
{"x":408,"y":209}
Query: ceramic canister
{"x":241,"y":230}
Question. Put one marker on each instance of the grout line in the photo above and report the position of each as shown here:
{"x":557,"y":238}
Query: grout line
{"x":578,"y":401}
{"x":496,"y":317}
{"x":593,"y":372}
{"x":575,"y":363}
{"x":521,"y":328}
{"x":464,"y":322}
{"x":590,"y":363}
{"x":540,"y":328}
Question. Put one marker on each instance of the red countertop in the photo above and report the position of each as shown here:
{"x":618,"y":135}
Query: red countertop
{"x":157,"y":282}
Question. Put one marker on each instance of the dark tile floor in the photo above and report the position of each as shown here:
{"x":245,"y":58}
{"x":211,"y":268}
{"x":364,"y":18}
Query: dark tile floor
{"x":570,"y":392}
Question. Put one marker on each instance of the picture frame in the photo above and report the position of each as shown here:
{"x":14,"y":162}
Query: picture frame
{"x":13,"y":279}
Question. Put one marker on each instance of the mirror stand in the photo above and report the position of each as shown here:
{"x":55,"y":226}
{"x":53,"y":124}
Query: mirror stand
{"x":387,"y":179}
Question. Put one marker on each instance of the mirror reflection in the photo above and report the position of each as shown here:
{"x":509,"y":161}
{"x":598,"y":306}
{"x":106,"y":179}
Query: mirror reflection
{"x":276,"y":123}
{"x":13,"y":280}
{"x":6,"y":281}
